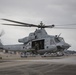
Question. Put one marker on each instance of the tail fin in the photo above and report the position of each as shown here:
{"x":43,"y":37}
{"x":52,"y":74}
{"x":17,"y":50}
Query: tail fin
{"x":1,"y":45}
{"x":1,"y":34}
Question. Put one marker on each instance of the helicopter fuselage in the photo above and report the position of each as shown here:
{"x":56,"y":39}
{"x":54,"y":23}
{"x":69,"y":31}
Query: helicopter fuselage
{"x":41,"y":42}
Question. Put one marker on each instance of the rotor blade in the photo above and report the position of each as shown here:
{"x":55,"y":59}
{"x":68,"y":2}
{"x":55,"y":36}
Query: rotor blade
{"x":64,"y":27}
{"x":43,"y":26}
{"x":67,"y":25}
{"x":20,"y":23}
{"x":49,"y":26}
{"x":15,"y":25}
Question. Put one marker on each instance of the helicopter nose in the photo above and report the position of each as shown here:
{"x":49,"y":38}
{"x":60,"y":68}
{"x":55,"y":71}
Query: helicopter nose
{"x":66,"y":45}
{"x":63,"y":46}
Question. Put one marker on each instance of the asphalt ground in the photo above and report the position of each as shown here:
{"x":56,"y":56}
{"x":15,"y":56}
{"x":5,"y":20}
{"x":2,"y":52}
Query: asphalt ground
{"x":39,"y":66}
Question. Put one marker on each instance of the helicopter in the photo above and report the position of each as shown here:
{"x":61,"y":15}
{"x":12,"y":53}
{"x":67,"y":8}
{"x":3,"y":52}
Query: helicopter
{"x":38,"y":42}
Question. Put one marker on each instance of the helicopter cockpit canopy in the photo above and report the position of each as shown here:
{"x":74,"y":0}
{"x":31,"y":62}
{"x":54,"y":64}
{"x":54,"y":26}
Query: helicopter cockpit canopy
{"x":61,"y":39}
{"x":58,"y":39}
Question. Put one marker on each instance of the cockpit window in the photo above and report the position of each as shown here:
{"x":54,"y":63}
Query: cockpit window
{"x":61,"y":39}
{"x":57,"y":40}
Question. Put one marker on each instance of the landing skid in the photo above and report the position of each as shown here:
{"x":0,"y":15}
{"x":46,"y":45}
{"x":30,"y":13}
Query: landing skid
{"x":44,"y":55}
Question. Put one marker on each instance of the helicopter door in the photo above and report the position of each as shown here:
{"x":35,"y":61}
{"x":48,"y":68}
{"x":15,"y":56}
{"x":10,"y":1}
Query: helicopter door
{"x":38,"y":44}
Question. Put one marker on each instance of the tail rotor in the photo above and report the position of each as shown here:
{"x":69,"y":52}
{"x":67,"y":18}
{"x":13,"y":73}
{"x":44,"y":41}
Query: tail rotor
{"x":2,"y":33}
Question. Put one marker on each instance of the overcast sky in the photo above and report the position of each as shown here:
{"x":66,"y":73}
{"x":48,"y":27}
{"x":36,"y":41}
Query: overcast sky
{"x":33,"y":11}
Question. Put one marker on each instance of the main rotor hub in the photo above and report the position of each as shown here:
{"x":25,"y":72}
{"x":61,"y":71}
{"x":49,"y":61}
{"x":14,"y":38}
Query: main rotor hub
{"x":41,"y":23}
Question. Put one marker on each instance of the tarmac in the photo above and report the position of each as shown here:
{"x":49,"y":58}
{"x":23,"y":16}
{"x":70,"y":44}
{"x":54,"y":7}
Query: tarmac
{"x":14,"y":65}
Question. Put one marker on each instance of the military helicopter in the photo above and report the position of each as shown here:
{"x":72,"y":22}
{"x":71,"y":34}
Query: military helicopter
{"x":38,"y":42}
